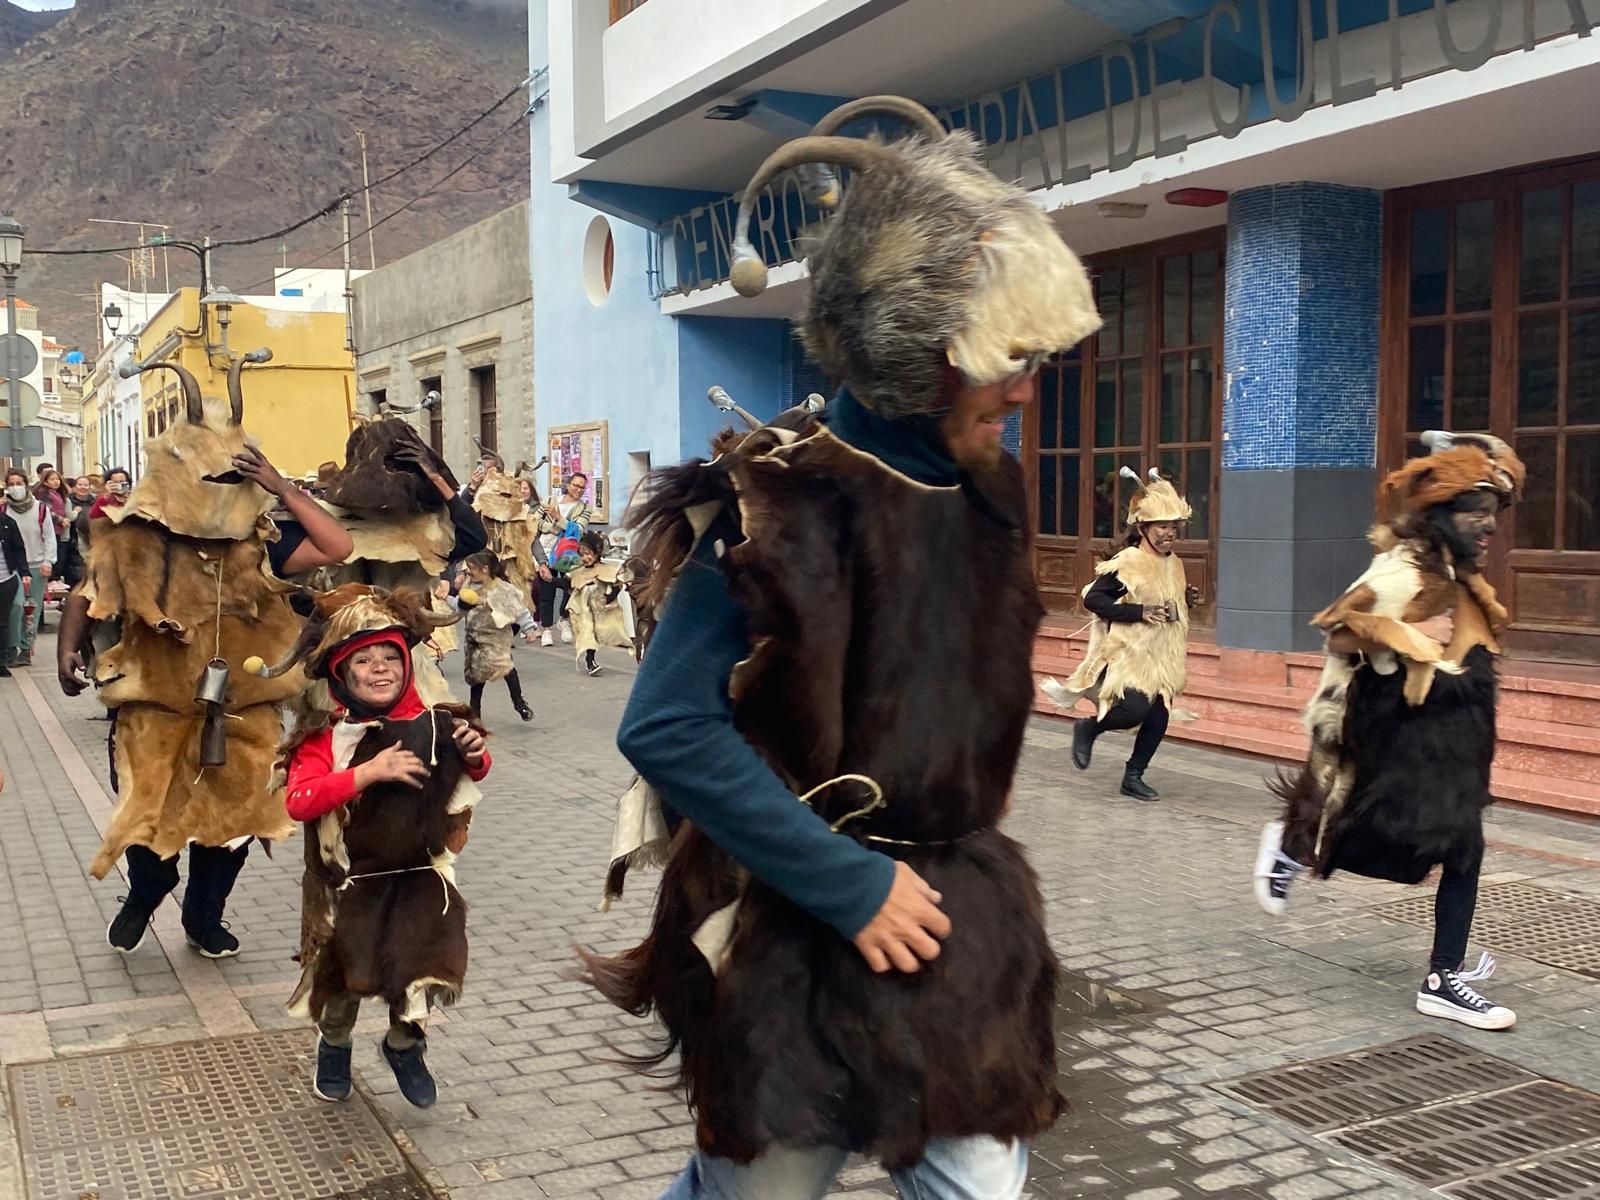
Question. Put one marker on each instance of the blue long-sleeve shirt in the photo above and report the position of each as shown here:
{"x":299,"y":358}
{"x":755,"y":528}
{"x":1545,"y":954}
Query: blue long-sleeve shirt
{"x":678,"y":729}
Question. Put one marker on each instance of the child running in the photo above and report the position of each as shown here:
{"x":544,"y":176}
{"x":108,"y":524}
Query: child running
{"x":495,"y":608}
{"x":600,"y":608}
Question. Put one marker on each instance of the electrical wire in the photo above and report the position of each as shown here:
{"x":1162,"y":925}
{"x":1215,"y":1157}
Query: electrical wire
{"x":331,"y":207}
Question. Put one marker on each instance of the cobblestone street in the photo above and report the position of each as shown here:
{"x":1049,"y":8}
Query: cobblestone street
{"x":1175,"y":982}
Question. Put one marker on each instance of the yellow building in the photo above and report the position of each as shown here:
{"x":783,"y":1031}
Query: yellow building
{"x":298,"y":407}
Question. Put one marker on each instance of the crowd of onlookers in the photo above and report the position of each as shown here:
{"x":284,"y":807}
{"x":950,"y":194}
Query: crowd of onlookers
{"x":43,"y":535}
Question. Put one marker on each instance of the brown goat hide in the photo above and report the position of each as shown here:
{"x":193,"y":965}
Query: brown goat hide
{"x":375,"y":477}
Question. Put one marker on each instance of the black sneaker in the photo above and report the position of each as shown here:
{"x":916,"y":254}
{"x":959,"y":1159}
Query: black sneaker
{"x":5,"y":671}
{"x":1447,"y":994}
{"x":1082,"y":742}
{"x":215,"y":942}
{"x":128,"y":927}
{"x":411,"y":1072}
{"x":332,"y":1079}
{"x":1133,"y":784}
{"x":524,"y":712}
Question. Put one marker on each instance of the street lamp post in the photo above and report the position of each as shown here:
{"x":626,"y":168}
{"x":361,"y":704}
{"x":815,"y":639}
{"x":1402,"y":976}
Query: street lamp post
{"x":10,"y":263}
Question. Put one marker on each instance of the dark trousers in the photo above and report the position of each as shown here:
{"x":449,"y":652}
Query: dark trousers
{"x":549,"y":613}
{"x":1150,"y":716}
{"x":1453,"y":907}
{"x":513,"y":685}
{"x":8,"y":597}
{"x":213,"y":871}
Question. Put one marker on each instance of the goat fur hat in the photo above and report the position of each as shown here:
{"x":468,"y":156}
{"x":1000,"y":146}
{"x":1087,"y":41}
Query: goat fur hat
{"x":1155,"y":500}
{"x":1457,"y":463}
{"x":930,"y":260}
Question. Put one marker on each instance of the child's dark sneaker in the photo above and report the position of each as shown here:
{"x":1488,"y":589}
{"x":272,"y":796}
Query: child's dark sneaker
{"x":332,"y":1079}
{"x":411,"y":1072}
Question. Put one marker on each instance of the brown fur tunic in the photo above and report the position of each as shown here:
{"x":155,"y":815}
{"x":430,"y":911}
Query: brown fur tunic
{"x":853,"y":577}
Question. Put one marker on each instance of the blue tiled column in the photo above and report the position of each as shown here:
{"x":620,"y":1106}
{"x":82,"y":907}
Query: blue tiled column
{"x":1300,"y":412}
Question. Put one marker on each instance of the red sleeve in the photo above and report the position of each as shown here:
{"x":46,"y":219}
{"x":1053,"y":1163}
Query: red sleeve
{"x":476,"y":775}
{"x":315,"y":788}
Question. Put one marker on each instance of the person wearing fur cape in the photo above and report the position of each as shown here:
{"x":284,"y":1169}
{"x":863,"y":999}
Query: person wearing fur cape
{"x":846,"y":952}
{"x":385,"y":786}
{"x":1134,"y":667}
{"x":1403,"y":721}
{"x":187,"y":573}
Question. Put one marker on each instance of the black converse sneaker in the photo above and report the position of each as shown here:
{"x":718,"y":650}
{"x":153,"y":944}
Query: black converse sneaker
{"x":128,"y":927}
{"x":215,"y":942}
{"x":1448,"y":994}
{"x":1275,"y":870}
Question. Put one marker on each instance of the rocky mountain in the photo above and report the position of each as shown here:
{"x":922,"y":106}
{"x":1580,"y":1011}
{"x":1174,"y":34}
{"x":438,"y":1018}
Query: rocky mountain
{"x":233,"y":118}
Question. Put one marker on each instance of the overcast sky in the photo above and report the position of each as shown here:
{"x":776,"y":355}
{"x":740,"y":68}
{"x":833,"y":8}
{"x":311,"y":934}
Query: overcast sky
{"x":36,"y":5}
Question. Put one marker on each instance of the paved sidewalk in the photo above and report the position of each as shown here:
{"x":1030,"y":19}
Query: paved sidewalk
{"x":1151,"y":901}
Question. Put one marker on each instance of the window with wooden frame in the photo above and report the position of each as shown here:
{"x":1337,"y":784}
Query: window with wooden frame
{"x":483,"y":384}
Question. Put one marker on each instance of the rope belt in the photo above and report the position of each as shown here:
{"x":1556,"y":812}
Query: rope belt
{"x":443,"y":882}
{"x":873,"y":805}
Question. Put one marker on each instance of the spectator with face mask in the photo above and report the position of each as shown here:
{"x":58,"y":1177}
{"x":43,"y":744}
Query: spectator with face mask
{"x":14,"y":578}
{"x":37,"y":526}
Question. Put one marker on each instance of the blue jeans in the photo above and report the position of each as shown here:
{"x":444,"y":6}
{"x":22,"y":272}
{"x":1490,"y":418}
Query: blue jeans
{"x":975,"y":1168}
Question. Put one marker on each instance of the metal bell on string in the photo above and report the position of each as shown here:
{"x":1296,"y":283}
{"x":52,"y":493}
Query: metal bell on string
{"x":212,"y":692}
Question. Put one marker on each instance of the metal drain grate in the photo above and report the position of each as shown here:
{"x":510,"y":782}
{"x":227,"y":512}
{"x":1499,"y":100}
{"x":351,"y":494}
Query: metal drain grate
{"x":1554,"y":928}
{"x":228,"y":1119}
{"x":1453,"y":1118}
{"x":1350,"y":1088}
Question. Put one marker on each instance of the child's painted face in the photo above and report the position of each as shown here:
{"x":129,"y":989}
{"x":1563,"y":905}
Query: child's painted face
{"x":587,"y":556}
{"x":375,"y":674}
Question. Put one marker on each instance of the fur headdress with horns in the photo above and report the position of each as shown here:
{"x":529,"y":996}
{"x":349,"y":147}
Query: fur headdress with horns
{"x":1456,"y":464}
{"x":1155,"y":500}
{"x":189,"y":483}
{"x":350,"y":611}
{"x":930,"y":260}
{"x":382,"y":471}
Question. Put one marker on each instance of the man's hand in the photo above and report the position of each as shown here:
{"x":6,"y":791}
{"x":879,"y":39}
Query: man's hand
{"x":253,"y":464}
{"x":414,"y":455}
{"x":908,"y":928}
{"x":392,"y":764}
{"x":470,"y":742}
{"x":1441,"y":628}
{"x":71,"y":673}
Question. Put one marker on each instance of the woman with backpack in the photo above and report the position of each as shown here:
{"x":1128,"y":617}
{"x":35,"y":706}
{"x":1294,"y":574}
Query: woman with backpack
{"x":555,"y":516}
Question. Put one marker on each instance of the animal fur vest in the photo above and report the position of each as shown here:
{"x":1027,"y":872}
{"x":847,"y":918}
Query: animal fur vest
{"x":1401,"y":741}
{"x":184,"y":601}
{"x":852,"y":577}
{"x":1124,"y":655}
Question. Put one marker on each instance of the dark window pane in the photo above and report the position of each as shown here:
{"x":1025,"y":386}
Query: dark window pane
{"x":1105,"y":495}
{"x":1069,"y":494}
{"x":1537,"y":352}
{"x":1474,"y":255}
{"x":1049,"y":407}
{"x":1585,"y":277}
{"x":1105,"y":404}
{"x":1071,"y":405}
{"x":1171,"y":464}
{"x":1583,"y":367}
{"x":1047,"y":494}
{"x":1425,"y":394}
{"x":1203,"y":299}
{"x":1430,"y":244}
{"x":1132,"y":403}
{"x":1172,"y":398}
{"x":1583,"y":492}
{"x":1198,"y":484}
{"x":1536,"y":514}
{"x":1175,"y":300}
{"x":1200,"y":396}
{"x":1469,"y":386}
{"x":1541,"y":245}
{"x":1110,"y":337}
{"x":1133,"y":302}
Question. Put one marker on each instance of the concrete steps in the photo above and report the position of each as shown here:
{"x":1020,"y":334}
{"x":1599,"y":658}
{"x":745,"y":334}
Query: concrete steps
{"x":1548,"y":753}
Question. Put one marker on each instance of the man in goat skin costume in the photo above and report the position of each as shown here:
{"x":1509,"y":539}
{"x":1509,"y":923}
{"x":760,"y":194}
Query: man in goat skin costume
{"x":1403,"y":721}
{"x":186,"y":569}
{"x":847,"y":953}
{"x":1135,"y":664}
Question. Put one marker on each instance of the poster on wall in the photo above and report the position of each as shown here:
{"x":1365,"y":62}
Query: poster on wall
{"x":583,"y":447}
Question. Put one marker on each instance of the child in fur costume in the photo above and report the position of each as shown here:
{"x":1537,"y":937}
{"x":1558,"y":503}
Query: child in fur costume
{"x":600,"y":609}
{"x":1403,"y":721}
{"x":1135,"y":668}
{"x":386,"y":787}
{"x":495,"y":610}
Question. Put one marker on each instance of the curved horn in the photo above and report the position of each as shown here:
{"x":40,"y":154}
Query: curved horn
{"x":1130,"y":473}
{"x":194,"y":410}
{"x":436,"y":620}
{"x":310,"y":633}
{"x":1155,"y":474}
{"x":1437,"y":440}
{"x":909,"y":111}
{"x":749,"y":272}
{"x":725,"y":403}
{"x":235,"y":392}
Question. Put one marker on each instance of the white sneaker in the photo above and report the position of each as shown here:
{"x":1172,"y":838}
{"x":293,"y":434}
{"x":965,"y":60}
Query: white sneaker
{"x":1446,"y":994}
{"x":566,"y":631}
{"x":545,"y":639}
{"x":1275,"y":870}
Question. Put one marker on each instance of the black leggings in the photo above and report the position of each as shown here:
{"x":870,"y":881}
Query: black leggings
{"x":1137,"y":709}
{"x":1453,"y":907}
{"x":513,"y":685}
{"x":549,"y":611}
